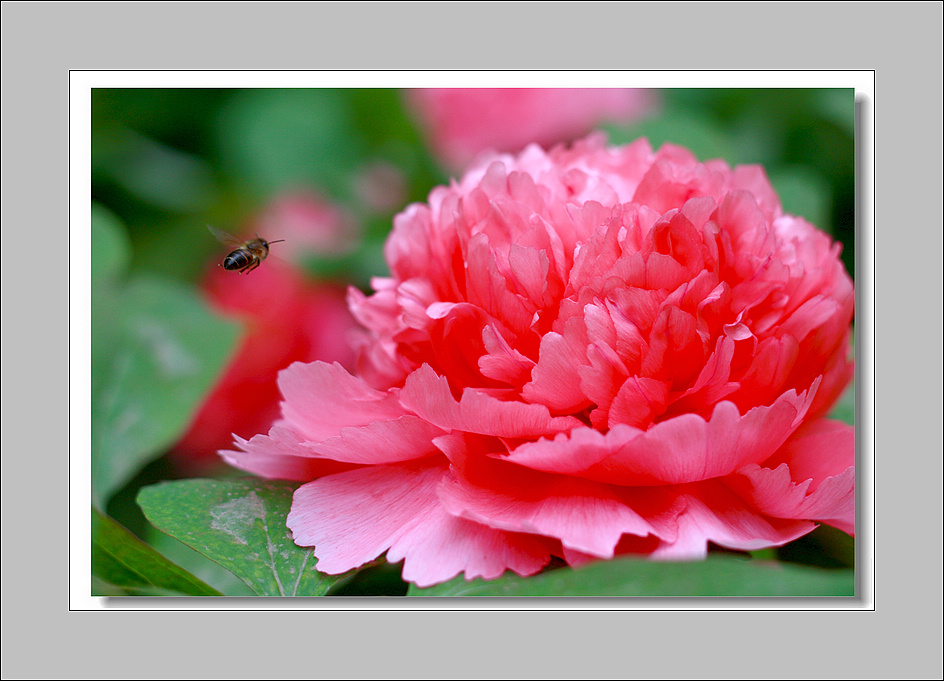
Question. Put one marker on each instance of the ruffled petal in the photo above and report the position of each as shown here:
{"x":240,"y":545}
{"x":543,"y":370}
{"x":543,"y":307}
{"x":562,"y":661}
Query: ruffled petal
{"x":502,"y":362}
{"x":815,"y":481}
{"x":279,"y":460}
{"x":320,"y":399}
{"x":400,"y":439}
{"x":817,"y":450}
{"x":585,"y":516}
{"x":354,"y":517}
{"x":714,"y":514}
{"x":683,"y":449}
{"x":428,"y":396}
{"x":555,"y":381}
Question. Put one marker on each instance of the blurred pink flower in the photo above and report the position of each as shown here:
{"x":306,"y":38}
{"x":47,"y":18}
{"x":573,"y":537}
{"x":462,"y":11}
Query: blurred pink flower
{"x":308,"y":224}
{"x":463,"y":122}
{"x":580,"y":353}
{"x":381,"y":187}
{"x":286,"y":318}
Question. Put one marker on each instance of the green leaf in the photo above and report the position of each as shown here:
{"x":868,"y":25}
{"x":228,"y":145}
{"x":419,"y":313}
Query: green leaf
{"x":123,"y":565}
{"x":156,"y":352}
{"x":716,"y":576}
{"x":844,"y":409}
{"x":825,"y":546}
{"x":240,"y":524}
{"x":154,"y":172}
{"x":197,"y":564}
{"x":110,"y":246}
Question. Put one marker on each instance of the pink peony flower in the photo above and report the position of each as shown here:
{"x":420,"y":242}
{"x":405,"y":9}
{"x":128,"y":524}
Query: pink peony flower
{"x":462,"y":122}
{"x":580,"y":353}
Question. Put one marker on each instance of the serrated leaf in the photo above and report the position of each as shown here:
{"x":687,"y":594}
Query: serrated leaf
{"x":123,"y":565}
{"x":723,"y":576}
{"x":156,"y":352}
{"x":239,"y":524}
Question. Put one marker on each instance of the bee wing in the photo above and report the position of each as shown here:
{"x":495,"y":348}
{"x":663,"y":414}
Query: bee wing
{"x":226,"y":237}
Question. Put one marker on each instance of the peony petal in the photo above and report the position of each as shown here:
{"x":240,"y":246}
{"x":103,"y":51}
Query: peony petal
{"x":714,"y":514}
{"x":444,"y":546}
{"x":585,"y":516}
{"x":774,"y":493}
{"x":712,"y":384}
{"x":320,"y":399}
{"x":455,"y":333}
{"x":675,"y":348}
{"x":753,"y":179}
{"x":502,"y":362}
{"x":601,"y":380}
{"x":594,"y":258}
{"x":428,"y":396}
{"x":555,"y":381}
{"x":488,"y":288}
{"x":529,"y":268}
{"x":354,"y":517}
{"x":400,"y":439}
{"x":683,"y":449}
{"x":277,"y":460}
{"x":815,"y":477}
{"x":817,"y":450}
{"x":811,"y":314}
{"x":638,"y":402}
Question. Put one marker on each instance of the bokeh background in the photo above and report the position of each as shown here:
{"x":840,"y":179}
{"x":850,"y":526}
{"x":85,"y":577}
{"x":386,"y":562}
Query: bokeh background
{"x":184,"y":353}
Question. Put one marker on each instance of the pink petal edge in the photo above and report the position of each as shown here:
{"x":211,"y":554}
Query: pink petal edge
{"x":354,"y":517}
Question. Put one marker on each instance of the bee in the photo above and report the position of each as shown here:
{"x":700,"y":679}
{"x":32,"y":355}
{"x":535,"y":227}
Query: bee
{"x":247,"y":255}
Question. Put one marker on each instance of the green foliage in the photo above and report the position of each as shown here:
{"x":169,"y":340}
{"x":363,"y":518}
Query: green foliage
{"x":240,"y":525}
{"x":717,"y":576}
{"x":274,"y":139}
{"x":805,"y":193}
{"x":278,"y":138}
{"x":844,"y":409}
{"x":154,"y":173}
{"x":823,"y":547}
{"x":197,"y":564}
{"x":123,"y":565}
{"x":156,"y":351}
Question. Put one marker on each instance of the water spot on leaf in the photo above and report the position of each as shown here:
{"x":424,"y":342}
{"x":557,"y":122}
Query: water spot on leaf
{"x":237,"y":517}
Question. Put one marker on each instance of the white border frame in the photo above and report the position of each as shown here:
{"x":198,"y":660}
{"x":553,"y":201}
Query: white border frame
{"x":81,"y":84}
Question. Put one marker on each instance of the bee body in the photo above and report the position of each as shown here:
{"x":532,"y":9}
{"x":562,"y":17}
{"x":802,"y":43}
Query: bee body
{"x":247,"y":255}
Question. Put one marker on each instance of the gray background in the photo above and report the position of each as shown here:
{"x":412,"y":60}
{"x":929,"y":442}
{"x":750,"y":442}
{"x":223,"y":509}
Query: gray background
{"x":901,"y":638}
